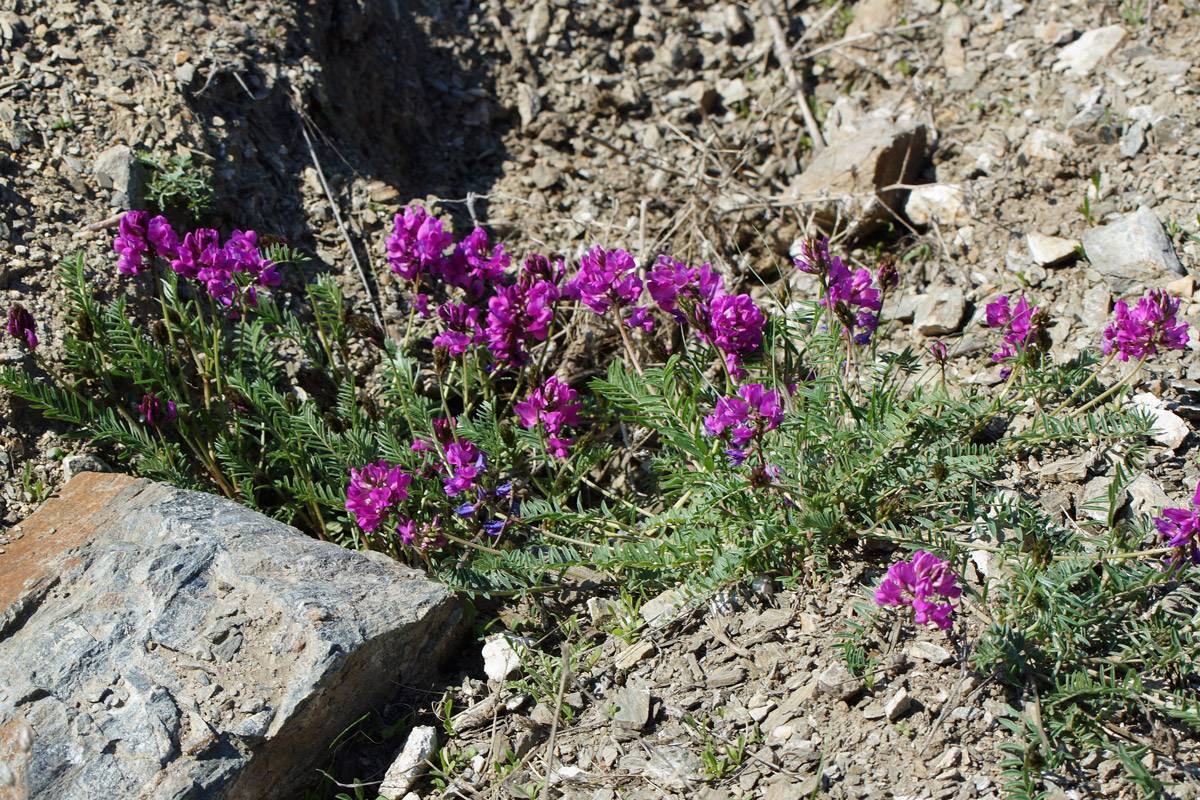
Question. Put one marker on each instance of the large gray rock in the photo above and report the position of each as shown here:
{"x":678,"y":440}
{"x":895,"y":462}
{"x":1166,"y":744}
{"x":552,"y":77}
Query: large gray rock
{"x":1133,"y":251}
{"x":849,"y":185}
{"x":117,"y":168}
{"x":171,"y":644}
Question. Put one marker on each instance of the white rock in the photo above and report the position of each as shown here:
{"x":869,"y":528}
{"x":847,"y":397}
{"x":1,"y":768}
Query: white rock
{"x":410,"y":764}
{"x":928,"y":651}
{"x":660,"y":610}
{"x":538,"y":26}
{"x":1170,"y":429}
{"x":500,"y":659}
{"x":940,"y":312}
{"x":1082,"y":55}
{"x":1046,"y":144}
{"x":898,"y":705}
{"x":943,"y":203}
{"x":1146,"y":496}
{"x":1049,"y":250}
{"x":1054,"y":32}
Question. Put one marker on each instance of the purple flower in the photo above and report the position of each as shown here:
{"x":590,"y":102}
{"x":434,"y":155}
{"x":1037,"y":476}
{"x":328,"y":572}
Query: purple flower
{"x":443,"y":432}
{"x":538,"y":268}
{"x":1152,"y":324}
{"x":425,"y":537}
{"x":814,"y":257}
{"x":472,"y":267}
{"x":155,"y":412}
{"x":1181,"y":528}
{"x":752,"y":413}
{"x":374,"y":491}
{"x":921,"y":583}
{"x":734,"y":326}
{"x":938,"y":351}
{"x":640,"y":318}
{"x":466,"y":463}
{"x":416,"y":244}
{"x":22,"y":326}
{"x":670,"y":279}
{"x":888,"y":277}
{"x":243,"y":256}
{"x":550,"y":405}
{"x":162,"y":237}
{"x":517,"y":316}
{"x":1019,"y":324}
{"x":848,"y":291}
{"x":131,"y":243}
{"x":605,"y":278}
{"x":464,"y":330}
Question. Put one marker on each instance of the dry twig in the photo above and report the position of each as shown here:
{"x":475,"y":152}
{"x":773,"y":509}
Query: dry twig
{"x":784,"y":54}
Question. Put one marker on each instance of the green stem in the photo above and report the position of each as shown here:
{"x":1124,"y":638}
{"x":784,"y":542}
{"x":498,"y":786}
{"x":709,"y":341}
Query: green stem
{"x":1091,"y":379}
{"x":1115,"y":387}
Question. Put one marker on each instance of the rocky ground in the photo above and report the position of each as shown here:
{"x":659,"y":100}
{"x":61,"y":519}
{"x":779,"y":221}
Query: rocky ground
{"x":980,"y":143}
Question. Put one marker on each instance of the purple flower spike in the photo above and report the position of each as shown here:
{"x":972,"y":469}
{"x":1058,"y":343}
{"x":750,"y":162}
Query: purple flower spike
{"x":464,"y":330}
{"x":1180,"y":528}
{"x":374,"y":491}
{"x":550,"y":405}
{"x":417,"y":242}
{"x":21,"y":325}
{"x":1020,"y":325}
{"x":517,"y":316}
{"x":735,"y":326}
{"x":422,"y":537}
{"x":156,"y":412}
{"x":921,"y":583}
{"x":466,"y":463}
{"x":131,"y":243}
{"x":752,"y":413}
{"x":1149,"y":326}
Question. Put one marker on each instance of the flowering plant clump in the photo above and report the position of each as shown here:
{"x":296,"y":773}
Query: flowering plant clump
{"x":926,"y":584}
{"x":1140,"y":332}
{"x":432,"y":438}
{"x":1180,"y":528}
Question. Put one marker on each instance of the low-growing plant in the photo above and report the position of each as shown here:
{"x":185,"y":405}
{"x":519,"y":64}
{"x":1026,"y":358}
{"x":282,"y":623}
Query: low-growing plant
{"x":176,"y":182}
{"x":748,"y":438}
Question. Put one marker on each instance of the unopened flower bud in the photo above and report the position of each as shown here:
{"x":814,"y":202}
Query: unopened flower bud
{"x":84,"y":328}
{"x":938,"y":351}
{"x":370,"y":407}
{"x":21,"y":325}
{"x":160,"y":333}
{"x":367,"y":329}
{"x":888,"y":276}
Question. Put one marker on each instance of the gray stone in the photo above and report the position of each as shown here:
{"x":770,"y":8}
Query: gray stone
{"x":1094,"y":500}
{"x":73,"y":465}
{"x":1133,"y":140}
{"x":1067,"y":470}
{"x":537,"y":28}
{"x":838,"y":682}
{"x":1170,"y":430}
{"x":1097,"y":303}
{"x":1146,"y":496}
{"x":500,"y":658}
{"x":1132,"y":251}
{"x":659,"y":610}
{"x":940,"y":312}
{"x":1093,"y":125}
{"x":847,"y":185}
{"x":632,"y":708}
{"x":671,"y":765}
{"x":1082,"y":55}
{"x":410,"y":764}
{"x":1050,"y":250}
{"x":112,"y":607}
{"x":118,"y":169}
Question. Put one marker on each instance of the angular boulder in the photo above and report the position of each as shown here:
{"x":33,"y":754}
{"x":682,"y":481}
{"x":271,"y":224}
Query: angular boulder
{"x":171,"y":644}
{"x":1132,"y":252}
{"x":851,"y":186}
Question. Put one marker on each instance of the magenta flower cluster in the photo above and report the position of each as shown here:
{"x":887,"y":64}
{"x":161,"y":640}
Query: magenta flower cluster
{"x":200,"y":256}
{"x":1018,"y":324}
{"x":21,"y":325}
{"x":140,"y":238}
{"x":375,"y":492}
{"x":850,"y":295}
{"x":606,"y":279}
{"x":550,"y":406}
{"x":925,"y":583}
{"x":744,"y":418}
{"x":1180,"y":527}
{"x":1141,"y":331}
{"x":731,"y":323}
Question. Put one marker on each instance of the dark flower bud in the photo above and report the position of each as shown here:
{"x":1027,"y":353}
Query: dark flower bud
{"x":507,"y":435}
{"x":83,"y":327}
{"x":334,"y":422}
{"x":156,"y":412}
{"x":160,"y":333}
{"x":441,"y":361}
{"x":888,"y":276}
{"x":237,"y":400}
{"x":370,"y":407}
{"x":22,"y":326}
{"x":366,"y":329}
